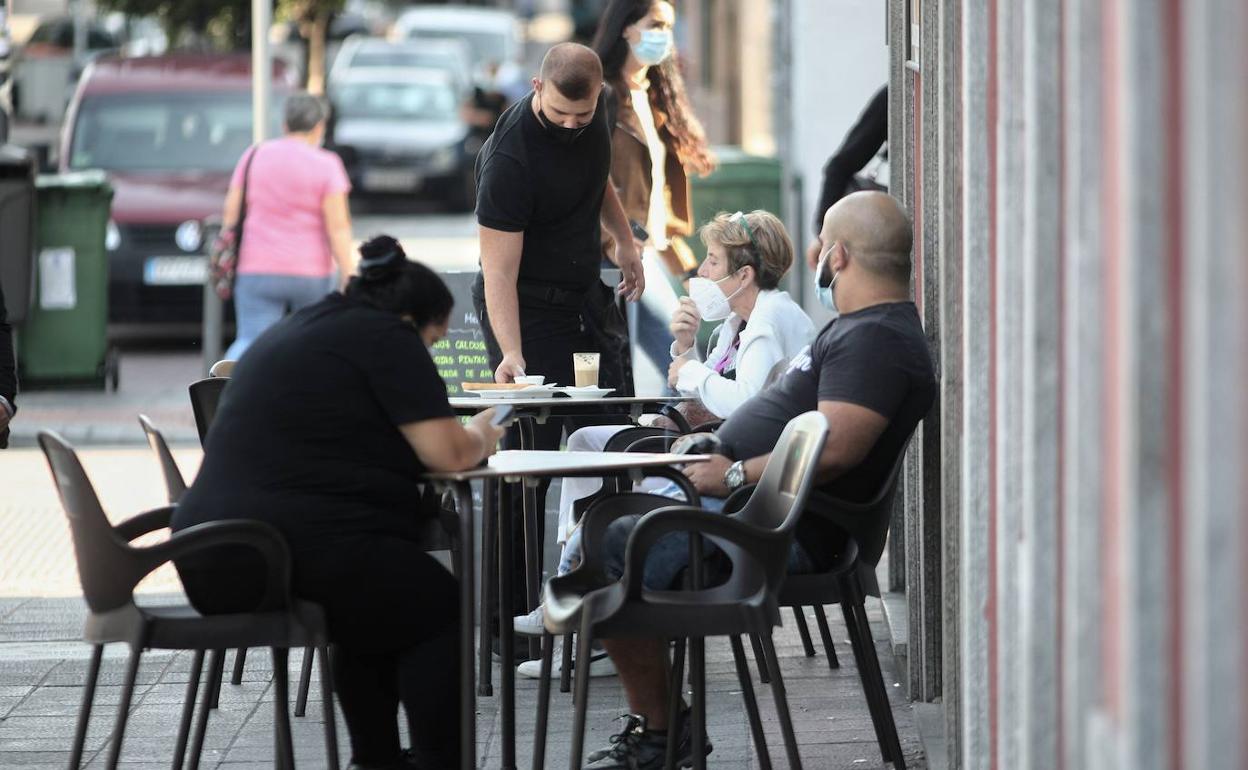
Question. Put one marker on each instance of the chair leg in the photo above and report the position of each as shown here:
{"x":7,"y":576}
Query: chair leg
{"x":188,"y":709}
{"x":751,"y":702}
{"x":215,"y":662}
{"x":327,"y":707}
{"x":782,"y":704}
{"x":84,"y":711}
{"x":826,"y":635}
{"x":305,"y":681}
{"x":675,"y":688}
{"x":240,"y":659}
{"x":284,"y":750}
{"x":123,"y":707}
{"x":760,"y":659}
{"x":697,"y":667}
{"x":218,"y":673}
{"x":890,"y":743}
{"x":565,"y":670}
{"x":799,"y":616}
{"x":543,"y":703}
{"x":856,"y":643}
{"x":581,"y":698}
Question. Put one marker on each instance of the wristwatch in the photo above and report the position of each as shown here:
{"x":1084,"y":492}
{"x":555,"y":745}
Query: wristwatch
{"x":734,"y":477}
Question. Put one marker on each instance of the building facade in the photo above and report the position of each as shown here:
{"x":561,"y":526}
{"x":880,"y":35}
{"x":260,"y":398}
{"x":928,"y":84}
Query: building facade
{"x":1073,"y":539}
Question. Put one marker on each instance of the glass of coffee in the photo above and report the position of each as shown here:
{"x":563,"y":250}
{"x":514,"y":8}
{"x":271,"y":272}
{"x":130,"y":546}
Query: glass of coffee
{"x":585,"y":366}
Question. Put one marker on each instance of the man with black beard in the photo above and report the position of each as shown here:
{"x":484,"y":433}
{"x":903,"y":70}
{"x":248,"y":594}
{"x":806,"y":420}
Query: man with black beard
{"x":543,"y":196}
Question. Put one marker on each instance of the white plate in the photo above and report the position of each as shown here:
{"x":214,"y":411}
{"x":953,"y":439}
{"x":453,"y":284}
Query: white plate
{"x":586,"y":392}
{"x":533,"y":391}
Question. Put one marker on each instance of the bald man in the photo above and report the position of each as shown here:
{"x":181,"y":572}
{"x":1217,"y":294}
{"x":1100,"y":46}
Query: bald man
{"x":868,"y":372}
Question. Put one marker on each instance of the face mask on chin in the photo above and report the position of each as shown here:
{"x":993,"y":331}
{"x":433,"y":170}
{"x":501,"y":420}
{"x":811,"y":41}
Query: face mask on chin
{"x":557,"y":132}
{"x":824,"y":293}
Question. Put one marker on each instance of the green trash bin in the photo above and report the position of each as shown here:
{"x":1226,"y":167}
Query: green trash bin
{"x":743,"y":182}
{"x":64,"y":339}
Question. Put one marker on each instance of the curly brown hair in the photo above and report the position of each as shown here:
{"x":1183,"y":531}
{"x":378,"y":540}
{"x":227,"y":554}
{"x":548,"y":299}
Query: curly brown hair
{"x":667,"y":85}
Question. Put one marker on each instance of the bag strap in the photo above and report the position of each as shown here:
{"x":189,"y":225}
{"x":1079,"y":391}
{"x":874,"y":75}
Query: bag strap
{"x":242,"y":210}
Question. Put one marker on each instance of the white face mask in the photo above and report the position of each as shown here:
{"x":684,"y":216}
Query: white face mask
{"x":824,"y":293}
{"x":710,"y":298}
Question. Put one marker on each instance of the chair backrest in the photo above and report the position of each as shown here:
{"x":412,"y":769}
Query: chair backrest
{"x":205,"y":396}
{"x":105,"y":568}
{"x":877,"y":514}
{"x":222,"y":368}
{"x":175,"y":485}
{"x":781,"y":493}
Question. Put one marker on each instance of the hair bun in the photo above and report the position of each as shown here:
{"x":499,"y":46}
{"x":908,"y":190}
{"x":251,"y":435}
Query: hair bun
{"x":380,"y":258}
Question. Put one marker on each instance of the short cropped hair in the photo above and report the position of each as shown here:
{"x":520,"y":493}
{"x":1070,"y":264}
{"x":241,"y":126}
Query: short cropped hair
{"x":761,"y":241}
{"x":574,"y":70}
{"x":304,"y":111}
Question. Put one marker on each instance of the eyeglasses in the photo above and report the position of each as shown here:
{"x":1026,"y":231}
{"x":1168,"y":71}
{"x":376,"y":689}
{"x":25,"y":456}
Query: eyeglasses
{"x":740,"y":219}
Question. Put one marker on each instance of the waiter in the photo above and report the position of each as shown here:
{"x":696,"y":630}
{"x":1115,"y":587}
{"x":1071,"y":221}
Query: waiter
{"x":542,"y":200}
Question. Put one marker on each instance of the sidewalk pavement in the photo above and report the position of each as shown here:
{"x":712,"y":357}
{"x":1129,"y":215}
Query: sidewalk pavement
{"x":42,"y":665}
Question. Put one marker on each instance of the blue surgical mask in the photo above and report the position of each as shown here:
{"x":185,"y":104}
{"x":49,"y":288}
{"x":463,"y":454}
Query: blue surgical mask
{"x":654,"y":47}
{"x":824,"y":293}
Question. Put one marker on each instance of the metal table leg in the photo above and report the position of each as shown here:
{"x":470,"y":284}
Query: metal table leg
{"x":468,"y":701}
{"x":507,"y":632}
{"x":489,"y":583}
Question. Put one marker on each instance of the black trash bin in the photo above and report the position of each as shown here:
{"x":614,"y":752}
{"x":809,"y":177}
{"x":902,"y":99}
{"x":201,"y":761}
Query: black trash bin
{"x":17,"y":224}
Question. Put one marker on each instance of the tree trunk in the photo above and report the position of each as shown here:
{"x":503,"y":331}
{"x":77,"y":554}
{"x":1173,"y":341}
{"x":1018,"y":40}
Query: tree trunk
{"x":318,"y":33}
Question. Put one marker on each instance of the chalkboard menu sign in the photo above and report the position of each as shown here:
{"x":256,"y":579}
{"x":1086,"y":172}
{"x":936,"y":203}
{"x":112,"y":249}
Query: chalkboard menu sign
{"x":461,"y":356}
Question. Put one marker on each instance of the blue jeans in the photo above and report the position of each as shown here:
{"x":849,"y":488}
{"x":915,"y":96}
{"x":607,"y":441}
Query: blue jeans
{"x":262,"y":299}
{"x":668,"y":557}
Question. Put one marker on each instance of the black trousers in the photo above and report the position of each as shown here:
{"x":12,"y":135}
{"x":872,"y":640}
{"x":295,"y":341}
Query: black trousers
{"x":549,"y":338}
{"x":393,"y":615}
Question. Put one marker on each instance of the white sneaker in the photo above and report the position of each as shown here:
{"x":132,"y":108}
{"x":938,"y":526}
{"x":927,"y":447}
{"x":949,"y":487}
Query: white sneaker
{"x":531,"y":624}
{"x":600,"y":666}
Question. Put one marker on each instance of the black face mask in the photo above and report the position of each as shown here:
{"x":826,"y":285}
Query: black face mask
{"x":557,"y":132}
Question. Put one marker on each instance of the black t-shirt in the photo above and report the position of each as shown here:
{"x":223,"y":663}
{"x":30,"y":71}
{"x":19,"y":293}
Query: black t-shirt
{"x":529,"y":182}
{"x":307,"y":437}
{"x":877,"y":358}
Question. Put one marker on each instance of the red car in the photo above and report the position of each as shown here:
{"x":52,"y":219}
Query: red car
{"x":168,"y":130}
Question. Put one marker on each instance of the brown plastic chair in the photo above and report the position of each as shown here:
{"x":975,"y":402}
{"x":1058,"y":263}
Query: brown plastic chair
{"x":175,"y":485}
{"x":756,"y":540}
{"x":109,"y":568}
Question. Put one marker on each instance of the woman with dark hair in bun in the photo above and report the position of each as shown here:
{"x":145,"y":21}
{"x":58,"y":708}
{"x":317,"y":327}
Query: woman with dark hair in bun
{"x":324,"y":434}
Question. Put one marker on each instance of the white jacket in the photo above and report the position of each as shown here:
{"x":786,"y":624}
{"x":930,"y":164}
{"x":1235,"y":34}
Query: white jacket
{"x":777,"y":331}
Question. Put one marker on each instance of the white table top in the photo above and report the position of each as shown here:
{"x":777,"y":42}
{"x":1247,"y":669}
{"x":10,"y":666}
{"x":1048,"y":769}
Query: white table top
{"x":533,"y":463}
{"x":479,"y":403}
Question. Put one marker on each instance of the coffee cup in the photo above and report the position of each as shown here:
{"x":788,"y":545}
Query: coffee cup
{"x":531,"y":379}
{"x":585,"y":368}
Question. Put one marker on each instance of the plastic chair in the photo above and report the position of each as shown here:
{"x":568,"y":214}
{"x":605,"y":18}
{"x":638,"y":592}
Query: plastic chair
{"x":756,"y":540}
{"x":205,"y":397}
{"x":175,"y":485}
{"x":848,"y":583}
{"x":222,"y":368}
{"x":109,"y":569}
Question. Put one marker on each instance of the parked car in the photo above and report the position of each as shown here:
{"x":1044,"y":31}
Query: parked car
{"x":492,"y":34}
{"x":44,"y":69}
{"x":400,"y":130}
{"x":169,"y":131}
{"x":452,"y":56}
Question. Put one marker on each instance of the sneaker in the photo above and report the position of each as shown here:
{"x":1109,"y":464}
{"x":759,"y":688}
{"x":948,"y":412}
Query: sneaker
{"x":531,"y":624}
{"x":600,"y":665}
{"x":633,"y":747}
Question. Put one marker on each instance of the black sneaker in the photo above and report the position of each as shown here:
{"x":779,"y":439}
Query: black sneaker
{"x":636,"y":748}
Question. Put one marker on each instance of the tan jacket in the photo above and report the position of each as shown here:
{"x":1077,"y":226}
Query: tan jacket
{"x":631,"y":175}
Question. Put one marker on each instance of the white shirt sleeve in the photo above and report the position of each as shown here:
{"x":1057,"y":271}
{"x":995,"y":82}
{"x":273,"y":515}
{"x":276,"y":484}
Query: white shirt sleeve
{"x":760,"y":352}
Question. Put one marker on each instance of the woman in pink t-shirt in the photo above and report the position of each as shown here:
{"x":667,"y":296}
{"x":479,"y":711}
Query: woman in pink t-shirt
{"x":296,"y":240}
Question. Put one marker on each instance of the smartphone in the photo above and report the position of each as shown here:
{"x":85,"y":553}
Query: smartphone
{"x":639,"y":232}
{"x":502,"y":415}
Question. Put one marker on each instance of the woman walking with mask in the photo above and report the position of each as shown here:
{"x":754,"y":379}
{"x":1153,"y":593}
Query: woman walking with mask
{"x":655,"y":140}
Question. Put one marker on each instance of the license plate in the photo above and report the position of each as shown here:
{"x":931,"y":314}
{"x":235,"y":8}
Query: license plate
{"x":175,"y":271}
{"x":391,"y":181}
